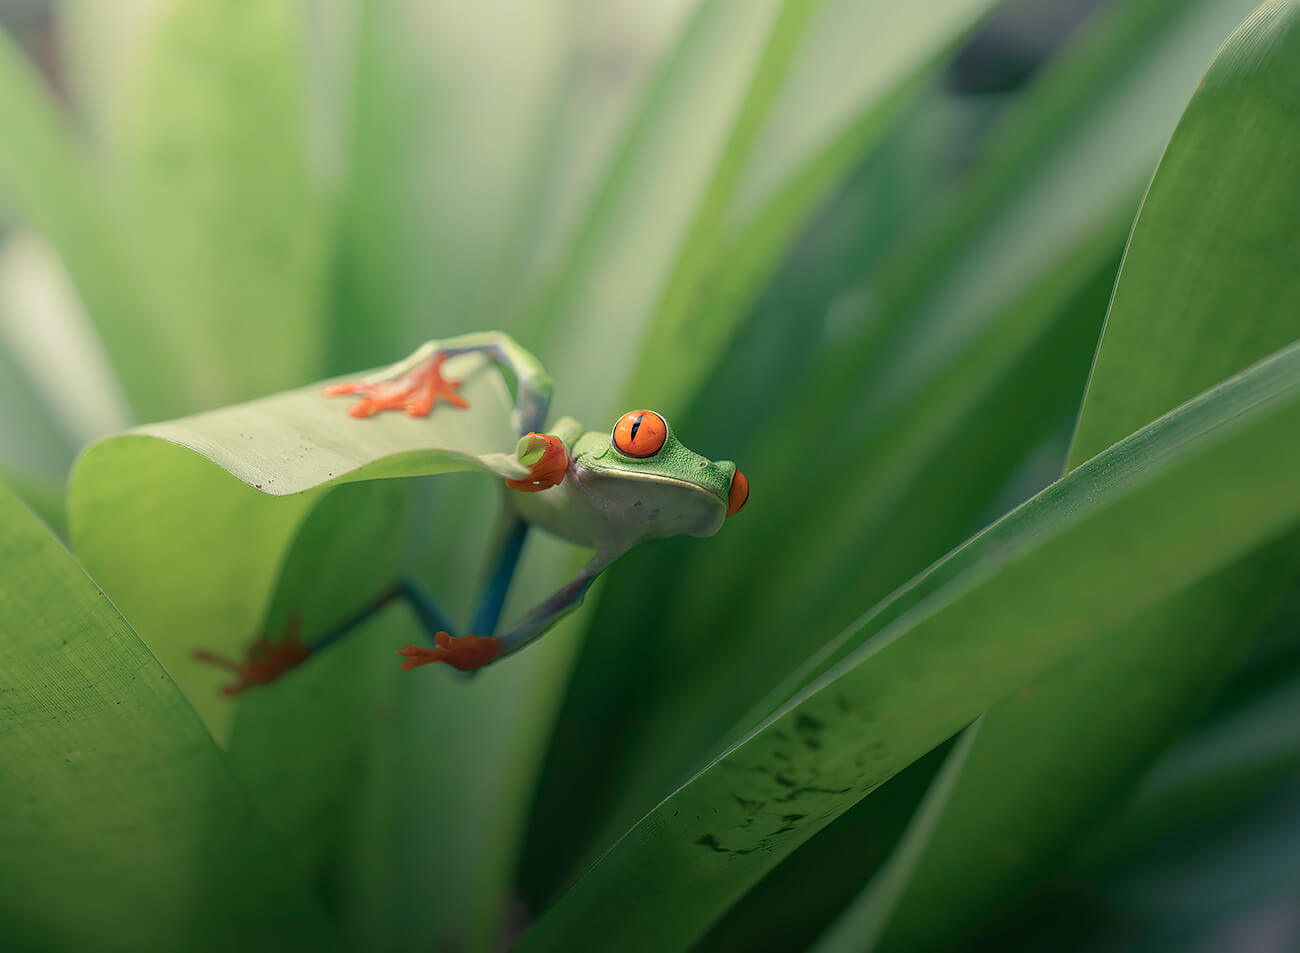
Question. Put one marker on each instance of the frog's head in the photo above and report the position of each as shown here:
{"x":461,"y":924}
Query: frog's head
{"x":644,"y":474}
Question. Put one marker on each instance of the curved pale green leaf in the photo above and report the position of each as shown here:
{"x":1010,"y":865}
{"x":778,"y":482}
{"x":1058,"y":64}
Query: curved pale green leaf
{"x":124,"y":828}
{"x":1171,"y":505}
{"x":170,"y":519}
{"x":343,"y":552}
{"x":1207,"y":286}
{"x":215,"y":165}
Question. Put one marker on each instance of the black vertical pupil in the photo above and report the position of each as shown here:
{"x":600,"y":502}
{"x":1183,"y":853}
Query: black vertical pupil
{"x":636,"y":425}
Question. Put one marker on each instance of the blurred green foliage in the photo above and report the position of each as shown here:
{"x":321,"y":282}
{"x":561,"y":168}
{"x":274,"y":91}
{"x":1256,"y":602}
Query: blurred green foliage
{"x":864,"y":249}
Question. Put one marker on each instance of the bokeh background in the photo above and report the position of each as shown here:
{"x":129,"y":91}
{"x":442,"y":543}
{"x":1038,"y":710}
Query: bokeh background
{"x":864,"y":249}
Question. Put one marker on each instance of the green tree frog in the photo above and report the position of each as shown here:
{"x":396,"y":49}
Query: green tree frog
{"x":605,"y":490}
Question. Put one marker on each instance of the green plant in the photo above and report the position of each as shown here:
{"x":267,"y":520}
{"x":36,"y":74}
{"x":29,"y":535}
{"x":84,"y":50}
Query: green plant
{"x":794,"y":735}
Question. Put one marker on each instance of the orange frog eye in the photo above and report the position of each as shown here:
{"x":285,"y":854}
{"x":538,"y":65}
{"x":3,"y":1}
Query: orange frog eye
{"x":739,"y":493}
{"x":640,"y":434}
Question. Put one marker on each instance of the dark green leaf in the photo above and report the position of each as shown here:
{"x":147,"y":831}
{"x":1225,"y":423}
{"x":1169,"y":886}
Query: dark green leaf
{"x":1173,"y":504}
{"x":1208,"y":285}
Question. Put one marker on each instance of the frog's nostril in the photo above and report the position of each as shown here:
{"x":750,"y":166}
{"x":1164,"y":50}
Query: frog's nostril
{"x":739,"y":493}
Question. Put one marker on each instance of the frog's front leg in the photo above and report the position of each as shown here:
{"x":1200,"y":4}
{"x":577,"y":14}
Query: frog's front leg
{"x":416,"y":384}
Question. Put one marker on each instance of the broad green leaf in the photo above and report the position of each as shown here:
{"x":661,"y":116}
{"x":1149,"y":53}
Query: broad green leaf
{"x":1196,"y":253}
{"x":123,"y":827}
{"x":170,"y":519}
{"x":1044,"y":345}
{"x":789,"y":908}
{"x":215,"y":167}
{"x":867,"y":916}
{"x":50,"y":187}
{"x":951,"y":454}
{"x":1055,"y":181}
{"x":1169,"y":506}
{"x":1207,"y":286}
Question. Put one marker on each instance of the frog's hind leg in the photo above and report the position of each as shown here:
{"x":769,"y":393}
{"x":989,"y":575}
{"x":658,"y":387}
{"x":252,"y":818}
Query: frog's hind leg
{"x":471,"y":652}
{"x":488,"y":614}
{"x":266,"y":661}
{"x":430,"y":615}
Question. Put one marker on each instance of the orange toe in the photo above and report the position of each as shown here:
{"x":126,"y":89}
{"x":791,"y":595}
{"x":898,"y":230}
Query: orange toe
{"x":417,"y":655}
{"x":465,"y":653}
{"x":415,"y":392}
{"x":264,"y":662}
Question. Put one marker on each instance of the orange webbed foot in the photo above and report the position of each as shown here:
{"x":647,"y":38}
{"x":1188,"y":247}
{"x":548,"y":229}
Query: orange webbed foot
{"x":416,"y":391}
{"x":265,"y":661}
{"x":547,"y":460}
{"x":465,"y":653}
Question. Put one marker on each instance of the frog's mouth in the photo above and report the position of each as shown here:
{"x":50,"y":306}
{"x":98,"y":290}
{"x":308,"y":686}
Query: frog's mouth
{"x":695,"y":511}
{"x":659,"y":478}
